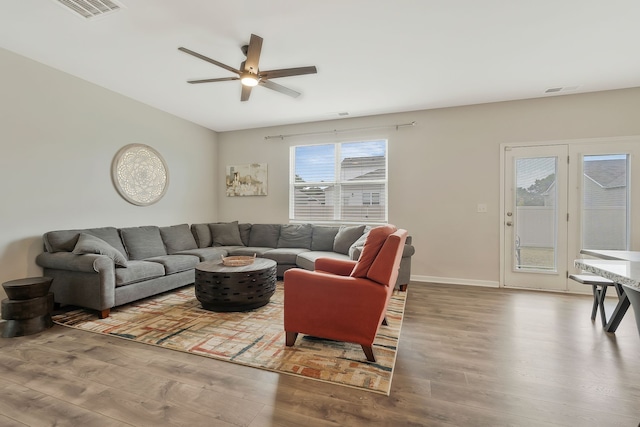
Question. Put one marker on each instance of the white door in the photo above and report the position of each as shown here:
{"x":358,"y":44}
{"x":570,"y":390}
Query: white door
{"x":535,"y":217}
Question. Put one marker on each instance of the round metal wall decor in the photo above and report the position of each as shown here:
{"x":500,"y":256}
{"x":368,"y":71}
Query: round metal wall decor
{"x":140,"y":174}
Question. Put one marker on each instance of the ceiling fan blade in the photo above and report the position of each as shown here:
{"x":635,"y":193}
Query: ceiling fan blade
{"x":222,"y":79}
{"x":253,"y":54}
{"x":279,"y":88}
{"x":287,"y":72}
{"x":212,"y":61}
{"x":246,"y":92}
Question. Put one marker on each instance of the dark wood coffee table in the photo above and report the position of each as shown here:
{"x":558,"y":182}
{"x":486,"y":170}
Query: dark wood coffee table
{"x":222,"y":288}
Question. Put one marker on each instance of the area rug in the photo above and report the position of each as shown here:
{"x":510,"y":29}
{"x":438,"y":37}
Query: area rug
{"x":176,"y":320}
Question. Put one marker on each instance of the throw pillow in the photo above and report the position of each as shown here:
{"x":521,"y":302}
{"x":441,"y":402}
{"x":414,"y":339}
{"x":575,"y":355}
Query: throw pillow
{"x":295,"y":236}
{"x":88,"y":244}
{"x":226,"y":234}
{"x":346,"y":237}
{"x":322,"y":238}
{"x":264,"y":235}
{"x":177,"y":238}
{"x":376,"y":238}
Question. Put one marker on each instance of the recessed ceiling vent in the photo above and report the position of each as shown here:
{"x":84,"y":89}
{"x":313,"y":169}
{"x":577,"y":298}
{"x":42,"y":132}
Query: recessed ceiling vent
{"x":561,"y":89}
{"x":90,"y":9}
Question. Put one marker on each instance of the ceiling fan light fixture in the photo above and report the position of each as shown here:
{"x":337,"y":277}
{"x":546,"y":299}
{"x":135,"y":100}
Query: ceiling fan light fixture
{"x":249,"y":79}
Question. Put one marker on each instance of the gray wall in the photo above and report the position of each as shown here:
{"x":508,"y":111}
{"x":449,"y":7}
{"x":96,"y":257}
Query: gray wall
{"x":439,"y":170}
{"x":59,"y":135}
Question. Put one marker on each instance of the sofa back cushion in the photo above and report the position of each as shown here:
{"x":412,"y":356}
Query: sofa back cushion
{"x":143,"y":242}
{"x":225,"y":234}
{"x":245,"y":233}
{"x":322,"y":237}
{"x":177,"y":238}
{"x":202,"y":234}
{"x":264,"y":235}
{"x":346,"y":237}
{"x":295,"y":236}
{"x":65,"y":240}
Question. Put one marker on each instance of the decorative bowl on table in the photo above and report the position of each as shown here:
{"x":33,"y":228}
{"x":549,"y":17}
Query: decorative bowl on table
{"x":238,"y":261}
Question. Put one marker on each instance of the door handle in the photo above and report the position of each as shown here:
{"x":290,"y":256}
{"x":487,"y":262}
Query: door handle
{"x":509,"y":223}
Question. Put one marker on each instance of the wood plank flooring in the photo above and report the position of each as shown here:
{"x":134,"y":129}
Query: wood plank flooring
{"x":469,"y":356}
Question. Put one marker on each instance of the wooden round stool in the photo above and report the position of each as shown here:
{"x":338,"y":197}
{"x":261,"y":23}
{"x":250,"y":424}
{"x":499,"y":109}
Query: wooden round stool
{"x":28,"y":308}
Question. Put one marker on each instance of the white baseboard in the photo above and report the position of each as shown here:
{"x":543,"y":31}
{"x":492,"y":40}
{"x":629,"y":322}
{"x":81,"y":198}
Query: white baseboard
{"x":453,"y":281}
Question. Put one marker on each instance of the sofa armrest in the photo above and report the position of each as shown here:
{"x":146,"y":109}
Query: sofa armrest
{"x":88,"y":263}
{"x":335,"y":266}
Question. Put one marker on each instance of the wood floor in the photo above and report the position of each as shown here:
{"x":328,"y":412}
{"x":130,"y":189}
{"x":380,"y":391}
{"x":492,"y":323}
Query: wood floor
{"x":468,"y":356}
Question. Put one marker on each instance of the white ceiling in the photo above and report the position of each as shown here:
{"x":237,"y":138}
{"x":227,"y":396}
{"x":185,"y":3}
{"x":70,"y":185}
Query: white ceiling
{"x":373,"y":56}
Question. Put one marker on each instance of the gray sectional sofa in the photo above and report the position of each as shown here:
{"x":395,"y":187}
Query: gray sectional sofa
{"x":101,"y":268}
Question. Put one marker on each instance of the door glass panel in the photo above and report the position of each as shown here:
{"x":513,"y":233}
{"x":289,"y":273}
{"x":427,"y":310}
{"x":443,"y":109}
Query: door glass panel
{"x":535,"y":216}
{"x":605,"y":202}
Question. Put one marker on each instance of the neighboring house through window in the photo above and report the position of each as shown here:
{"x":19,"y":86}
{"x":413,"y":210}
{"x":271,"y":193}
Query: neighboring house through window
{"x":339,"y":182}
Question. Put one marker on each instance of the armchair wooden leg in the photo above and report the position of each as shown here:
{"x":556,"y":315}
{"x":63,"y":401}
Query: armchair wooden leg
{"x":291,"y":338}
{"x":103,"y":314}
{"x":368,"y":351}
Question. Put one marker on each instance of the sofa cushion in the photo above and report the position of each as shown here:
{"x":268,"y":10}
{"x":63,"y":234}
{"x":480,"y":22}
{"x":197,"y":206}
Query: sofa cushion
{"x":322,"y":237}
{"x":307,"y":260}
{"x":245,"y":232}
{"x":247,"y":250}
{"x":375,"y":239}
{"x":202,"y":234}
{"x":89,"y":244}
{"x":65,"y":240}
{"x":295,"y":236}
{"x":205,"y":254}
{"x":143,"y":242}
{"x":284,"y":255}
{"x":226,"y":234}
{"x":264,"y":235}
{"x":356,"y":248}
{"x":137,"y":271}
{"x":175,"y":263}
{"x":177,"y":238}
{"x":346,"y":237}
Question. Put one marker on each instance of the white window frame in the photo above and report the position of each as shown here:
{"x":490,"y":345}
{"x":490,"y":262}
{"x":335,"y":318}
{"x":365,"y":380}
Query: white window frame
{"x":379,"y":197}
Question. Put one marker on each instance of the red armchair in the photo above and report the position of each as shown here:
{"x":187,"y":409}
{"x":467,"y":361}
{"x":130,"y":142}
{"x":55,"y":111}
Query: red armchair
{"x":345,"y":300}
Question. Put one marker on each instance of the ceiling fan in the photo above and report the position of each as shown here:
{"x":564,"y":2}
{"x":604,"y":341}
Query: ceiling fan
{"x":249,"y":74}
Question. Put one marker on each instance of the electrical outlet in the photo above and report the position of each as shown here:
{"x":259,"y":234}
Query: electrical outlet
{"x":482,"y":208}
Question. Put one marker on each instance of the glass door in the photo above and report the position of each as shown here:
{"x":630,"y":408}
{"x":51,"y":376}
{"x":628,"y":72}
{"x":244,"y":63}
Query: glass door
{"x":535,"y":218}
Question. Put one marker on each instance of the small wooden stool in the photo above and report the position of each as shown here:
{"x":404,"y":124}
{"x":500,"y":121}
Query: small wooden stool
{"x":599,"y":286}
{"x":28,"y":308}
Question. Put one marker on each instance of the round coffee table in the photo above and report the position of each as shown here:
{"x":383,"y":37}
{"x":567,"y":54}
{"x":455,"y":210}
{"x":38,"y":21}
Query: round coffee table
{"x":222,"y":288}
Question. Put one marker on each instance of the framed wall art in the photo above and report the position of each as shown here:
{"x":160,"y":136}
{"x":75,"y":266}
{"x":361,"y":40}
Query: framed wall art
{"x":247,"y":180}
{"x":140,"y":174}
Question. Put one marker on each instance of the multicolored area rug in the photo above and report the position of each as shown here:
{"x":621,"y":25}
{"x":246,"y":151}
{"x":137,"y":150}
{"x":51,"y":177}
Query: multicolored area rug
{"x":176,"y":320}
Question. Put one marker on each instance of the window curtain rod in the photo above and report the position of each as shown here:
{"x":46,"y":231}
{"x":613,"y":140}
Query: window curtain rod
{"x":291,"y":135}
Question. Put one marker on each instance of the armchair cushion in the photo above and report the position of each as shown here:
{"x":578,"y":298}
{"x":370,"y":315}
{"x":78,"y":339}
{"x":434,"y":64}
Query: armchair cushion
{"x":375,"y":239}
{"x":88,"y":244}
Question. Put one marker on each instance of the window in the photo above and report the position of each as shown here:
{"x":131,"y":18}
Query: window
{"x":342,"y":182}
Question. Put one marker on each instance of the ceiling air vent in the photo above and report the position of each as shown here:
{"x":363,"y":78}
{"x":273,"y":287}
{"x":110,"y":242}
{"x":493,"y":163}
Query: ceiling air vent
{"x":90,"y":9}
{"x":561,"y":89}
